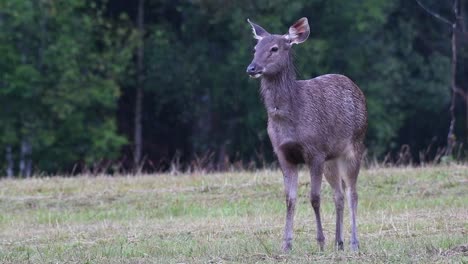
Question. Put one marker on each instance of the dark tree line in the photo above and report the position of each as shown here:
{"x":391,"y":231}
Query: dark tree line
{"x":116,"y":84}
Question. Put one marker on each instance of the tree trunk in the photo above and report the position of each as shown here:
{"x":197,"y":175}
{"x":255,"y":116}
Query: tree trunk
{"x":463,"y":22}
{"x":25,"y":159}
{"x":451,"y":139}
{"x":463,"y":15}
{"x":138,"y":135}
{"x":9,"y":161}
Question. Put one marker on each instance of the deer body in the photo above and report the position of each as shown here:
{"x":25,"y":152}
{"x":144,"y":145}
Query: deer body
{"x":307,"y":119}
{"x":320,"y":122}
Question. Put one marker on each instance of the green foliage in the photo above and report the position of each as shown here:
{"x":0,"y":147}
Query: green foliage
{"x":59,"y":80}
{"x":68,"y":75}
{"x":376,"y":43}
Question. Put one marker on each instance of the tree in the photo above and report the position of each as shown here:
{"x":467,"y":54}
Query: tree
{"x":456,"y":25}
{"x":90,"y":81}
{"x":138,"y":137}
{"x":60,"y":85}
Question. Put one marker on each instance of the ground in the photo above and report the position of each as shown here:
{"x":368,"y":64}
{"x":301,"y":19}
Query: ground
{"x":404,"y":215}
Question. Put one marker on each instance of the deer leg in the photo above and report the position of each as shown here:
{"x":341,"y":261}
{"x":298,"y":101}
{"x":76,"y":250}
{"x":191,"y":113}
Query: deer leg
{"x":350,"y":180}
{"x":332,"y":174}
{"x":339,"y":206}
{"x":353,"y":201}
{"x":316,"y":174}
{"x":290,"y":189}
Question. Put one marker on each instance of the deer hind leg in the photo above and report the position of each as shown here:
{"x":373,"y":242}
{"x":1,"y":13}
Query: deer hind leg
{"x":290,"y":189}
{"x":351,"y":166}
{"x":316,"y":174}
{"x":334,"y":178}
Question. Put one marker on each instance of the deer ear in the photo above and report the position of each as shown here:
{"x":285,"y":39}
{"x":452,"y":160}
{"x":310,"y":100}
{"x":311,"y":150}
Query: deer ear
{"x":299,"y":31}
{"x":258,"y":31}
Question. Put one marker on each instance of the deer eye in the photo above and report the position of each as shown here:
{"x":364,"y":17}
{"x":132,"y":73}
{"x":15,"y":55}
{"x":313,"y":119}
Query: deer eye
{"x":274,"y":49}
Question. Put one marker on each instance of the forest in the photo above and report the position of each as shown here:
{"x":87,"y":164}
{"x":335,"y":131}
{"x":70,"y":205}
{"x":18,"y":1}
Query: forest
{"x":159,"y":85}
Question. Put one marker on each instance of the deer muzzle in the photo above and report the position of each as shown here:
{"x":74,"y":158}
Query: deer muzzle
{"x":254,"y":71}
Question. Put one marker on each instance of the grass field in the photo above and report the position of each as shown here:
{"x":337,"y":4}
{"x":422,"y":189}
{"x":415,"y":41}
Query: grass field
{"x":405,"y":215}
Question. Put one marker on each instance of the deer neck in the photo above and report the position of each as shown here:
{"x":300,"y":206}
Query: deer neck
{"x":278,"y":91}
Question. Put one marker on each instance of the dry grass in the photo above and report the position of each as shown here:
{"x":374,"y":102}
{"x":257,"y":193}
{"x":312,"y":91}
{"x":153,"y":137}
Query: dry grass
{"x":405,"y":215}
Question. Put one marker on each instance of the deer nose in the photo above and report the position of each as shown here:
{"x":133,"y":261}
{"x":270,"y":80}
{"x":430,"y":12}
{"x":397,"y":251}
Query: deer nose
{"x":251,"y":69}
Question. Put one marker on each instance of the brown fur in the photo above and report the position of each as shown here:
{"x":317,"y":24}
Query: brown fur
{"x":321,"y":122}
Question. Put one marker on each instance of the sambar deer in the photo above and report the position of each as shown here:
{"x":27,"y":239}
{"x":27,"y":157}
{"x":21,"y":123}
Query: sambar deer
{"x":321,"y":122}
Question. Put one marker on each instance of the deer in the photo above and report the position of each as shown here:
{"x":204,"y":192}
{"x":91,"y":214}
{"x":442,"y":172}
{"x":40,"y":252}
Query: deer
{"x":319,"y":122}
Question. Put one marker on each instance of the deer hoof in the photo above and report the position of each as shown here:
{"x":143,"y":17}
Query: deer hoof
{"x":354,"y":246}
{"x":339,"y":245}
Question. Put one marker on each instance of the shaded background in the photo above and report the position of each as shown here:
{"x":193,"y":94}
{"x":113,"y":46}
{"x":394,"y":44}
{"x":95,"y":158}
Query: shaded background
{"x":104,"y":85}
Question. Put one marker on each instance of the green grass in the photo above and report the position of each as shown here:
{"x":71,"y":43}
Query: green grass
{"x":405,"y":215}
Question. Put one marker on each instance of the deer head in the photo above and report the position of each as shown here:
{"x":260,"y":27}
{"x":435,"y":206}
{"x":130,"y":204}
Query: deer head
{"x":271,"y":54}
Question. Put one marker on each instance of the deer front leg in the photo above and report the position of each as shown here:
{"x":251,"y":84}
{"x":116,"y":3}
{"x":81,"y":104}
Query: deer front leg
{"x":316,"y":173}
{"x":290,"y":189}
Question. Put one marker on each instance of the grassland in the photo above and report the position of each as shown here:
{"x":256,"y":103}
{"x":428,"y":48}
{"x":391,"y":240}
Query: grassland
{"x":405,"y":215}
